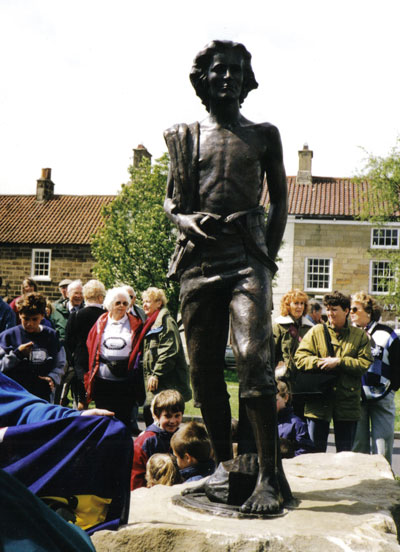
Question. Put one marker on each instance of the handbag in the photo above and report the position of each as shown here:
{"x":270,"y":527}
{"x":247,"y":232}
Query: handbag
{"x":315,"y":383}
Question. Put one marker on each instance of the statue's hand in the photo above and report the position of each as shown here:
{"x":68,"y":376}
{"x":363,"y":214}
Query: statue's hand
{"x":190,"y":226}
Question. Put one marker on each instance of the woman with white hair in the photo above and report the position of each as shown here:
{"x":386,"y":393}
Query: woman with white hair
{"x":78,"y":327}
{"x":112,"y":355}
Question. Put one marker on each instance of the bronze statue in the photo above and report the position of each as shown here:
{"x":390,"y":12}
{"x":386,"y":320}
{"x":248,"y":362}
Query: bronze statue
{"x":225,"y":256}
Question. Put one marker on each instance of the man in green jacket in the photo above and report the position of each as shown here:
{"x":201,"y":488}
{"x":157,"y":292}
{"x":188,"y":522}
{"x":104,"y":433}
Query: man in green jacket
{"x":352,"y":358}
{"x":59,"y":319}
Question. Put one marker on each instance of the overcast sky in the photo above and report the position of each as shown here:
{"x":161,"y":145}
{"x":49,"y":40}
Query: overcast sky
{"x":83,"y":82}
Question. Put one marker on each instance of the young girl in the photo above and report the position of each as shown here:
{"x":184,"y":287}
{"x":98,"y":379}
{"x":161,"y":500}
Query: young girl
{"x":162,"y":469}
{"x":293,"y":432}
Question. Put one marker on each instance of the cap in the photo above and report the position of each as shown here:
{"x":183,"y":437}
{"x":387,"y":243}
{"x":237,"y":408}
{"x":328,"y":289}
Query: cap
{"x":65,"y":282}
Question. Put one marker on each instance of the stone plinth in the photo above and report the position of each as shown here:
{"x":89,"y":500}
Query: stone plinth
{"x":348,"y":502}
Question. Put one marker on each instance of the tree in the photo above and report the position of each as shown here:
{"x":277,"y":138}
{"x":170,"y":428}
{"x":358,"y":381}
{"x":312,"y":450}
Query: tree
{"x":381,"y":206}
{"x":137,"y":240}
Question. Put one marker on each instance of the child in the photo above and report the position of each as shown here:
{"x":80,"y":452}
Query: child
{"x":192,"y":448}
{"x":31,"y":353}
{"x":292,"y":430}
{"x":162,"y":469}
{"x":167,"y":408}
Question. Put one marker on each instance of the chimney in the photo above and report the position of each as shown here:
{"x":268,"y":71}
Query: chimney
{"x":44,"y":186}
{"x":304,"y":173}
{"x":139,"y":154}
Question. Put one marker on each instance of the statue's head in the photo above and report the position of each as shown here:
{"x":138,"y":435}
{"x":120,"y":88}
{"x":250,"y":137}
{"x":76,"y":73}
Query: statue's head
{"x":203,"y":61}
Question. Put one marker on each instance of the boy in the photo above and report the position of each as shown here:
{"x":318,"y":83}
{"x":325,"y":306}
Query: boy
{"x":293,"y":432}
{"x":192,"y":448}
{"x":30,"y":353}
{"x":167,"y":408}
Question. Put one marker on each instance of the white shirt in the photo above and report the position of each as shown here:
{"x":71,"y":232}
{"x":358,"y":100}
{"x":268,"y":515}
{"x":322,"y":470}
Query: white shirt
{"x":116,"y":344}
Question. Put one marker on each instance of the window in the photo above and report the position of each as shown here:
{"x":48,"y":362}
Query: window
{"x":41,"y":264}
{"x":385,"y":238}
{"x":381,"y":275}
{"x":318,"y":274}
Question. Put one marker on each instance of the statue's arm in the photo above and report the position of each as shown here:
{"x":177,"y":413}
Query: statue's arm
{"x":277,"y":187}
{"x":187,"y":223}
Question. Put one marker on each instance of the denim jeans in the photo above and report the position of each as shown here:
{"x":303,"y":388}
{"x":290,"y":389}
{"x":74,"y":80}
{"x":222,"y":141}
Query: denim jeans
{"x":319,"y":431}
{"x":375,"y":429}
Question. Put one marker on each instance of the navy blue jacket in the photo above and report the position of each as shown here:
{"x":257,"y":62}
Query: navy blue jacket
{"x":292,"y":428}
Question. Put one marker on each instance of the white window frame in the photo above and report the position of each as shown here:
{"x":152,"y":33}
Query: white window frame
{"x":371,"y":276}
{"x":41,"y":277}
{"x":385,"y":230}
{"x":318,"y":289}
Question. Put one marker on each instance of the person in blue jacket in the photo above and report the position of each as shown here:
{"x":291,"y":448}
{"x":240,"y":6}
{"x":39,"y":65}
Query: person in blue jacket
{"x":31,"y":353}
{"x":292,"y":430}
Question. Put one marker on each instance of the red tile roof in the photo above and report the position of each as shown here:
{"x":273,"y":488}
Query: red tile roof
{"x":324,"y":197}
{"x":73,"y":219}
{"x":64,"y":219}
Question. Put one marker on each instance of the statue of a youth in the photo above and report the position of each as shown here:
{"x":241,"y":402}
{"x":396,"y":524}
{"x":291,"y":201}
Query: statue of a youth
{"x":225,"y":256}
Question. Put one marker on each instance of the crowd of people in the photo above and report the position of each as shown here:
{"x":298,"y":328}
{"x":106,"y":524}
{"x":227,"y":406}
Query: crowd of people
{"x":335,"y":362}
{"x":94,"y":344}
{"x":341,"y":366}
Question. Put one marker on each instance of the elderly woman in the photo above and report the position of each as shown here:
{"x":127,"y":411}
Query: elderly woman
{"x":164,"y":362}
{"x":77,"y":330}
{"x":112,"y":355}
{"x":375,"y":429}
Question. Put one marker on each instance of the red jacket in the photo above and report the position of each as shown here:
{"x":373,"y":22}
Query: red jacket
{"x":151,"y":441}
{"x":93,"y":344}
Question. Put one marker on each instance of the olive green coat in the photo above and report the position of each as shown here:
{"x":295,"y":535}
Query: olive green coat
{"x":285,"y":344}
{"x":352,"y":346}
{"x":163,"y":356}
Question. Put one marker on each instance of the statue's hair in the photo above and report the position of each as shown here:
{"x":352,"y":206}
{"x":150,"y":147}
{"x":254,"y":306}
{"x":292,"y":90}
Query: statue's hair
{"x":201,"y":65}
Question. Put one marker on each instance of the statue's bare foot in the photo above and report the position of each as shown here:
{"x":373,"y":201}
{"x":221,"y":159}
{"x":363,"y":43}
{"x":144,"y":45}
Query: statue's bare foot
{"x":265,"y":499}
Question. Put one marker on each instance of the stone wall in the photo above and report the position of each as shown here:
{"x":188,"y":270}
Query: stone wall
{"x":72,"y":261}
{"x":346,"y":244}
{"x":283,"y":281}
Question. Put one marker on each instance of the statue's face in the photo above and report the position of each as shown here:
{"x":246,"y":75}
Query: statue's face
{"x":225,"y":75}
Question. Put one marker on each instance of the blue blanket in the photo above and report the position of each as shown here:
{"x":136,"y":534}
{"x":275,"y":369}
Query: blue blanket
{"x":56,"y":452}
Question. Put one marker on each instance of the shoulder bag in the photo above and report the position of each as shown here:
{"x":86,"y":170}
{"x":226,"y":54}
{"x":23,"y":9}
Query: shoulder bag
{"x":311,"y":384}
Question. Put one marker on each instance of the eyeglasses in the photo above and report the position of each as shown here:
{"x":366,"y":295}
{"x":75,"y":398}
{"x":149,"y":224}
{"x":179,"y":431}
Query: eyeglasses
{"x":354,"y":309}
{"x":125,"y":303}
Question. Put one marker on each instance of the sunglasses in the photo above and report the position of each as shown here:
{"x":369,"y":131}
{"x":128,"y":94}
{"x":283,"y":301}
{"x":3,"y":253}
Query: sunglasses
{"x":125,"y":303}
{"x":354,"y":309}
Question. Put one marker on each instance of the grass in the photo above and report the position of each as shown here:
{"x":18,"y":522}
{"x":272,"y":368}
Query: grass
{"x":397,"y":419}
{"x":233,"y":390}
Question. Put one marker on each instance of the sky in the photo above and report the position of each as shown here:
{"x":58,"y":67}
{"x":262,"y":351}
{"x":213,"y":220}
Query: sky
{"x":85,"y":81}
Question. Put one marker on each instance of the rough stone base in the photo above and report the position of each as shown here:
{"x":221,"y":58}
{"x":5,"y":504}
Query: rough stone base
{"x":349,"y":502}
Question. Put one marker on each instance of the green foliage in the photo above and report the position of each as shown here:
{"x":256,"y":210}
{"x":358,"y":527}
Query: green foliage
{"x":381,"y":206}
{"x":137,"y":240}
{"x":383,"y":175}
